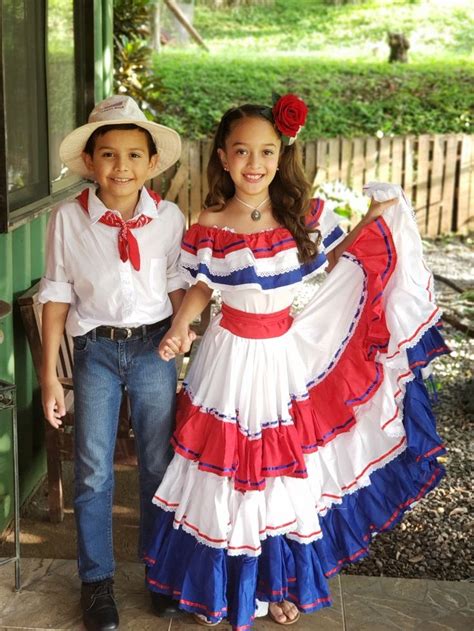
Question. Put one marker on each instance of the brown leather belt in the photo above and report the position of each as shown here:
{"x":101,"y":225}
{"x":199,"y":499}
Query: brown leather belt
{"x":125,"y":333}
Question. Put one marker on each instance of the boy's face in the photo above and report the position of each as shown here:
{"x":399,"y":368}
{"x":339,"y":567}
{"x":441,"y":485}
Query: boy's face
{"x":121,"y":164}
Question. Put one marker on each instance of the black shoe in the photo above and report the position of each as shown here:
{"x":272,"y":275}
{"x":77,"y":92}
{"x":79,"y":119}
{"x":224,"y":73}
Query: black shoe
{"x":99,"y":611}
{"x":164,"y":606}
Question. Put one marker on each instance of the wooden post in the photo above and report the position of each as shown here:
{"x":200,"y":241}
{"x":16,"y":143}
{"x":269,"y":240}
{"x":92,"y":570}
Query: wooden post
{"x":397,"y":160}
{"x":309,"y":153}
{"x":334,"y":153}
{"x":422,"y":167}
{"x":321,"y":163}
{"x":465,"y":203}
{"x":384,"y":160}
{"x":447,"y":206}
{"x":183,"y":195}
{"x":370,"y":160}
{"x":407,"y":182}
{"x":357,"y":170}
{"x":435,"y":186}
{"x":177,"y":183}
{"x":195,"y":196}
{"x":206,"y":147}
{"x":346,"y":156}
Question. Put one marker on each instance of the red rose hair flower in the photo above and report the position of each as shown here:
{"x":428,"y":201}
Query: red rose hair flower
{"x":289,"y":113}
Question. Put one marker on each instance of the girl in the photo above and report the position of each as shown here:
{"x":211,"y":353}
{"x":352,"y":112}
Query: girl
{"x":298,"y":438}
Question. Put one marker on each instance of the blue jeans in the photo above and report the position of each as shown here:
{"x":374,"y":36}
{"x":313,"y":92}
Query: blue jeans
{"x":102,"y":369}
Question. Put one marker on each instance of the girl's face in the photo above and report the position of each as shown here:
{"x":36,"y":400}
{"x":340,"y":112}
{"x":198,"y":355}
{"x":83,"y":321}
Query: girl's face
{"x":252,"y":151}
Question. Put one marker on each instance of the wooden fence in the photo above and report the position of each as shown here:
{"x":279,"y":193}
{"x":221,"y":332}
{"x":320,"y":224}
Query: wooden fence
{"x":436,"y":171}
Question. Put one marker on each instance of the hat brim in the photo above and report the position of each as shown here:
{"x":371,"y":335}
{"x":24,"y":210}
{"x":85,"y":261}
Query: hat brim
{"x":167,"y":141}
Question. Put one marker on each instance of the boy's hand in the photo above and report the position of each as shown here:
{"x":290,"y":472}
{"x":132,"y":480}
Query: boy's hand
{"x":376,"y":208}
{"x":52,"y":398}
{"x":177,"y":341}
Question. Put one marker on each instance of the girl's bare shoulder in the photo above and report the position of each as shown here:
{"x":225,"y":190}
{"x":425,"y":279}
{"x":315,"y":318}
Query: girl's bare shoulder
{"x":211,"y":216}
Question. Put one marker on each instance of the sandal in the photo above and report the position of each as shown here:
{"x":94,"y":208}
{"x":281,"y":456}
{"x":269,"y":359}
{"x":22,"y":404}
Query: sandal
{"x":288,"y":620}
{"x":205,"y":622}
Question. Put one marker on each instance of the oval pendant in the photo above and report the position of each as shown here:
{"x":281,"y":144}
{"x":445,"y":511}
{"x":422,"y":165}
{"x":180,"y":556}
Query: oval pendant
{"x":256,"y":214}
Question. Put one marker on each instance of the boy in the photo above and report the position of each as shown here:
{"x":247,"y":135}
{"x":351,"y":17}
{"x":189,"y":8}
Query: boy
{"x":112,"y":280}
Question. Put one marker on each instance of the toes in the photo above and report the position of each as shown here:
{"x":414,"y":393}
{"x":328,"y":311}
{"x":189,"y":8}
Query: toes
{"x":284,"y":611}
{"x":289,"y":609}
{"x":277,"y":612}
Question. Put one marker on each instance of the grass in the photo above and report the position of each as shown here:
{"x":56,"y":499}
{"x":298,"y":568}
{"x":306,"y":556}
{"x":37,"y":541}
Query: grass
{"x":344,"y":99}
{"x":435,"y":28}
{"x":335,"y":58}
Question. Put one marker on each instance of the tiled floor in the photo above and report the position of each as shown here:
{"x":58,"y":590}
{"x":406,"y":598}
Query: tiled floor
{"x":49,"y":600}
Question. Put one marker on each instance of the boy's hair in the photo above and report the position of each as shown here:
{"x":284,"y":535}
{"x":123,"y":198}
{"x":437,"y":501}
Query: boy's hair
{"x":289,"y":190}
{"x":101,"y":131}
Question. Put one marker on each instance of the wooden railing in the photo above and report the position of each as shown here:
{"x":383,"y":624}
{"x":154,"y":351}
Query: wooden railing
{"x":436,"y":171}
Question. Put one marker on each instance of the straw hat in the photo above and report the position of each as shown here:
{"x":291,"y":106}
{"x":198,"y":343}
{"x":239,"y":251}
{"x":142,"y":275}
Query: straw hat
{"x":119,"y":110}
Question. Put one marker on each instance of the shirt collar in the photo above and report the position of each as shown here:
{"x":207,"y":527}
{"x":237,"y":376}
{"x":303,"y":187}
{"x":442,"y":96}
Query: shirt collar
{"x":146,"y":206}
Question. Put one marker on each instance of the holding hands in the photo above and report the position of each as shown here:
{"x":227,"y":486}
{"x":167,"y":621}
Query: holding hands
{"x":178,"y":340}
{"x":180,"y":337}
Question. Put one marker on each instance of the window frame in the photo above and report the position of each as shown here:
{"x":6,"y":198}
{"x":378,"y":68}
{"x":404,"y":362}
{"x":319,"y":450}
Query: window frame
{"x":83,"y":18}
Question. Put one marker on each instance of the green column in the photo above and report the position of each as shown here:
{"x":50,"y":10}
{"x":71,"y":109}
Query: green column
{"x":98,"y":52}
{"x":7,"y":372}
{"x":37,"y":250}
{"x":21,"y":278}
{"x":7,"y":361}
{"x":38,"y":246}
{"x":108,"y":45}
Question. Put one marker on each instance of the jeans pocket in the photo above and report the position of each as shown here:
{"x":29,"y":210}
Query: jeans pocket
{"x":80,"y":343}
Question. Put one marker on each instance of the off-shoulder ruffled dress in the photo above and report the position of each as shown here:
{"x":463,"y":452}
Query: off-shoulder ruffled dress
{"x":297,"y":439}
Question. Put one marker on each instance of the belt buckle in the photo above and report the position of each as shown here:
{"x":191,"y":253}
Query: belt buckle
{"x":129,"y":332}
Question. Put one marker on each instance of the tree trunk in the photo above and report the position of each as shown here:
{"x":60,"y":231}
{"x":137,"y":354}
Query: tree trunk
{"x":156,"y":26}
{"x":399,"y":46}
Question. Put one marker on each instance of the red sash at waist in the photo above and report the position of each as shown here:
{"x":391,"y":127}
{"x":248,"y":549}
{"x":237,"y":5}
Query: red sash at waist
{"x":255,"y":325}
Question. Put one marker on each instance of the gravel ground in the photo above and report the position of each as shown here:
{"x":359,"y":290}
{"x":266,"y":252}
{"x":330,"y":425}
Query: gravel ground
{"x":435,"y":539}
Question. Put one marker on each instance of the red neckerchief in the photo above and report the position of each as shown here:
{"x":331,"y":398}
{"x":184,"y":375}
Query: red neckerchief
{"x":127,"y":243}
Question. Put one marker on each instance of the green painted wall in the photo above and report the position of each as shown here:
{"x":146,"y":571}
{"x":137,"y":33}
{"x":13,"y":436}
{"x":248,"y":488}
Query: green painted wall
{"x":21,"y":265}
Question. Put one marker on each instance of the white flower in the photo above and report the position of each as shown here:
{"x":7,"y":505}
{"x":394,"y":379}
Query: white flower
{"x":341,"y":199}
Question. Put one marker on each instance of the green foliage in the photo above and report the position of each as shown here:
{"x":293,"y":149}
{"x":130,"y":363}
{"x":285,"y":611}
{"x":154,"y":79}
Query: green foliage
{"x":467,"y":295}
{"x":334,"y":54}
{"x":356,"y":30}
{"x":132,"y":55}
{"x":346,"y":99}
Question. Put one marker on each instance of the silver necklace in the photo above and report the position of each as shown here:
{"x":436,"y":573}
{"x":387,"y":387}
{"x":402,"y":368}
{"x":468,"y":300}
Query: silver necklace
{"x":255,"y":215}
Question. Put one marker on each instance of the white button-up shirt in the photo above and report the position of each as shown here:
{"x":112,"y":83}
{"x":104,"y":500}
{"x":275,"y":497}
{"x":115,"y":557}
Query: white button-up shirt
{"x":84,"y":269}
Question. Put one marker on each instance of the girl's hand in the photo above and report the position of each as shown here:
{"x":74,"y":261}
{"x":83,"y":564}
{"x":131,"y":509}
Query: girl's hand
{"x":188,"y":341}
{"x":169,"y":347}
{"x":376,"y":208}
{"x":178,"y":340}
